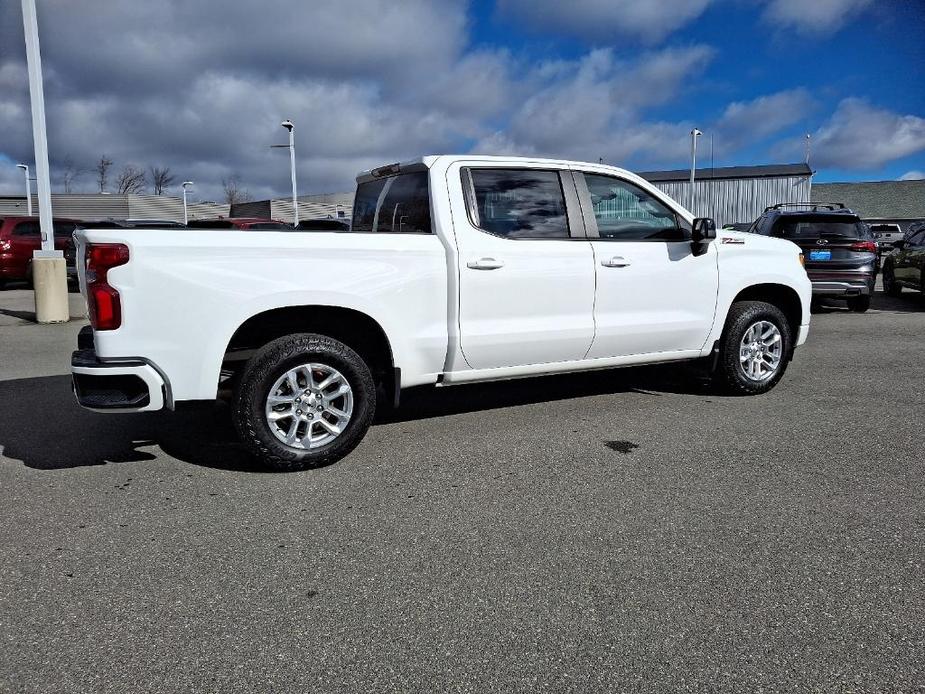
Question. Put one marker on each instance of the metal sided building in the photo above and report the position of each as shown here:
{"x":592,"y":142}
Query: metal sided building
{"x":322,"y":206}
{"x":98,"y":206}
{"x":735,"y":193}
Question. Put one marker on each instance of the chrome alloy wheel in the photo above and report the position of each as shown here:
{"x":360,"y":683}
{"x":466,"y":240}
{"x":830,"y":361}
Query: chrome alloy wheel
{"x":761,"y":351}
{"x":309,"y":406}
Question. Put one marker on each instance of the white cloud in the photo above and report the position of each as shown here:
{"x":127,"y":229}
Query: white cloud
{"x":746,"y":122}
{"x":178,"y":85}
{"x":814,"y":16}
{"x":861,"y":136}
{"x":594,"y":107}
{"x":914,"y":175}
{"x":600,"y":20}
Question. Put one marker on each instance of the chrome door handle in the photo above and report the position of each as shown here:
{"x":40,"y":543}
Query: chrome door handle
{"x":616,"y":261}
{"x":485,"y":264}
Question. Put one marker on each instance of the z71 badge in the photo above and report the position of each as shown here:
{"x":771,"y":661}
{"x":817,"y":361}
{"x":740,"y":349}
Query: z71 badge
{"x":732,"y":240}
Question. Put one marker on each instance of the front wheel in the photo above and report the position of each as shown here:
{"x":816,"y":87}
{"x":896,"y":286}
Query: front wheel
{"x":304,"y":401}
{"x":754,"y":349}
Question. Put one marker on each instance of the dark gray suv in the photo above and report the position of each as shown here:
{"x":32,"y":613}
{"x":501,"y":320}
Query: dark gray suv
{"x":841,"y":253}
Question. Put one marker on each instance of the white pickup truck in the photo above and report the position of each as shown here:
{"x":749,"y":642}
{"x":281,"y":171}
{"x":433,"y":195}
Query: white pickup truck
{"x":456,"y":269}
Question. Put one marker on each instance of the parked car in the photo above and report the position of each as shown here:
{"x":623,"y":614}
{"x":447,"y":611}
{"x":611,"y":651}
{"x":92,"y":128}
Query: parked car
{"x":886,"y":234}
{"x":242,"y":223}
{"x":457,"y":269}
{"x":324,"y":225}
{"x":21,"y":236}
{"x":906,"y":267}
{"x":737,"y":226}
{"x":842,"y":257}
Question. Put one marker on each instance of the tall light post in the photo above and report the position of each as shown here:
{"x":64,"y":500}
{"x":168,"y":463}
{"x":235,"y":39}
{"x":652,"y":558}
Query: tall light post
{"x":694,"y":135}
{"x":49,"y":277}
{"x":25,"y":167}
{"x":295,"y":196}
{"x":186,"y":184}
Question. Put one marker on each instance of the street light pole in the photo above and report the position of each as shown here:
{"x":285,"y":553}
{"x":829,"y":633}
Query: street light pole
{"x":186,"y":184}
{"x":694,"y":135}
{"x":295,"y":196}
{"x":25,"y":167}
{"x":49,"y":276}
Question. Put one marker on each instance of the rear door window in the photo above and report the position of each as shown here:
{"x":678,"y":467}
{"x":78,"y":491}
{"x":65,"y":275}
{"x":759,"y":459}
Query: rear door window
{"x":395,"y":205}
{"x":518,"y":203}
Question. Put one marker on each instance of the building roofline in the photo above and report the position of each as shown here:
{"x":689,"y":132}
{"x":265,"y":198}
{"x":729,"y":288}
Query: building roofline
{"x":728,"y":172}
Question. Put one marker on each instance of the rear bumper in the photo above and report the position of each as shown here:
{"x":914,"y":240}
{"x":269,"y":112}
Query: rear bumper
{"x":843,"y":282}
{"x":836,"y":288}
{"x":125,"y":385}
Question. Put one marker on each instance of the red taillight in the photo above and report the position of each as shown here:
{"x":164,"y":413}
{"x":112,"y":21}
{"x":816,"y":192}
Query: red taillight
{"x":103,"y":303}
{"x":864,"y":246}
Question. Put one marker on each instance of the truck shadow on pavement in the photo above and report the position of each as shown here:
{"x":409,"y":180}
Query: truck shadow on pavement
{"x":43,"y":427}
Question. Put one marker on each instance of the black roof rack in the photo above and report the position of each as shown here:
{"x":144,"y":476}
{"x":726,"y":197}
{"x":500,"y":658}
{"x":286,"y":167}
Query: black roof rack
{"x":832,"y":206}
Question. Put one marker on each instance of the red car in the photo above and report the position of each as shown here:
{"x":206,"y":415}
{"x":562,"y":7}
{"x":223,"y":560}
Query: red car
{"x":20,"y":236}
{"x":245,"y":223}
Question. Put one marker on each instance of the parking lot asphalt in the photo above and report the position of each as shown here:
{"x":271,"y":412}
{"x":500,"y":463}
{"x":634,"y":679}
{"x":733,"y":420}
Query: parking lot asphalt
{"x":614,"y":531}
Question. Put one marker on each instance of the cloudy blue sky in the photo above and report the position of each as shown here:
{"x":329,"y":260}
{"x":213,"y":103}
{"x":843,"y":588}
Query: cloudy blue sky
{"x":202,"y":86}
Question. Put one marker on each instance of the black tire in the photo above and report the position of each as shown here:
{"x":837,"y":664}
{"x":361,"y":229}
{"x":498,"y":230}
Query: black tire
{"x":268,"y":365}
{"x":730,"y":377}
{"x":859,"y":304}
{"x":890,"y":288}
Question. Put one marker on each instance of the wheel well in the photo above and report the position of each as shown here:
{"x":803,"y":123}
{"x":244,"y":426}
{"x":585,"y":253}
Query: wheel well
{"x":355,"y":329}
{"x":780,"y":295}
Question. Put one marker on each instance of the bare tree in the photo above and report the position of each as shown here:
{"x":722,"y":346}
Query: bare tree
{"x":233,"y":191}
{"x":102,"y":172}
{"x":161,"y":179}
{"x":131,"y":180}
{"x":70,"y":174}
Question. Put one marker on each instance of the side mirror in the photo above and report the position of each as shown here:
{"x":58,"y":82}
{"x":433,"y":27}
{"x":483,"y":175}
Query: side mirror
{"x":704,"y":230}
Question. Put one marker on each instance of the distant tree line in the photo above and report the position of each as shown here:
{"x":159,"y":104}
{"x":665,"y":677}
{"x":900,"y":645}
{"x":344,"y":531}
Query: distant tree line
{"x":132,"y":179}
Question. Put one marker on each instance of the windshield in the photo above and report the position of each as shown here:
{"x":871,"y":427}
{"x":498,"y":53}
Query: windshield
{"x":802,"y":228}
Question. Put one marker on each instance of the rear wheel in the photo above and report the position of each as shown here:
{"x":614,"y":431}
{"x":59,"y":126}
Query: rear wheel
{"x":304,"y":401}
{"x":754,"y":349}
{"x":859,"y":304}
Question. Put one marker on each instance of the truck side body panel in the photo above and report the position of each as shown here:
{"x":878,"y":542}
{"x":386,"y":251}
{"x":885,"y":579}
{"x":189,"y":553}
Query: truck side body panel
{"x":184,"y":294}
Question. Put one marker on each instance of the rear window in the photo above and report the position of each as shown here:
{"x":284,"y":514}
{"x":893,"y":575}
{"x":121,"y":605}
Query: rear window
{"x":270,"y":226}
{"x":518,"y":203}
{"x":33,"y":229}
{"x":214,"y":224}
{"x":395,"y":205}
{"x":810,"y":228}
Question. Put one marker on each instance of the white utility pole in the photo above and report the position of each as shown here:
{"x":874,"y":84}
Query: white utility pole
{"x":295,"y":196}
{"x":25,"y":167}
{"x":49,"y":276}
{"x":694,"y":135}
{"x":809,"y":139}
{"x":186,"y":184}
